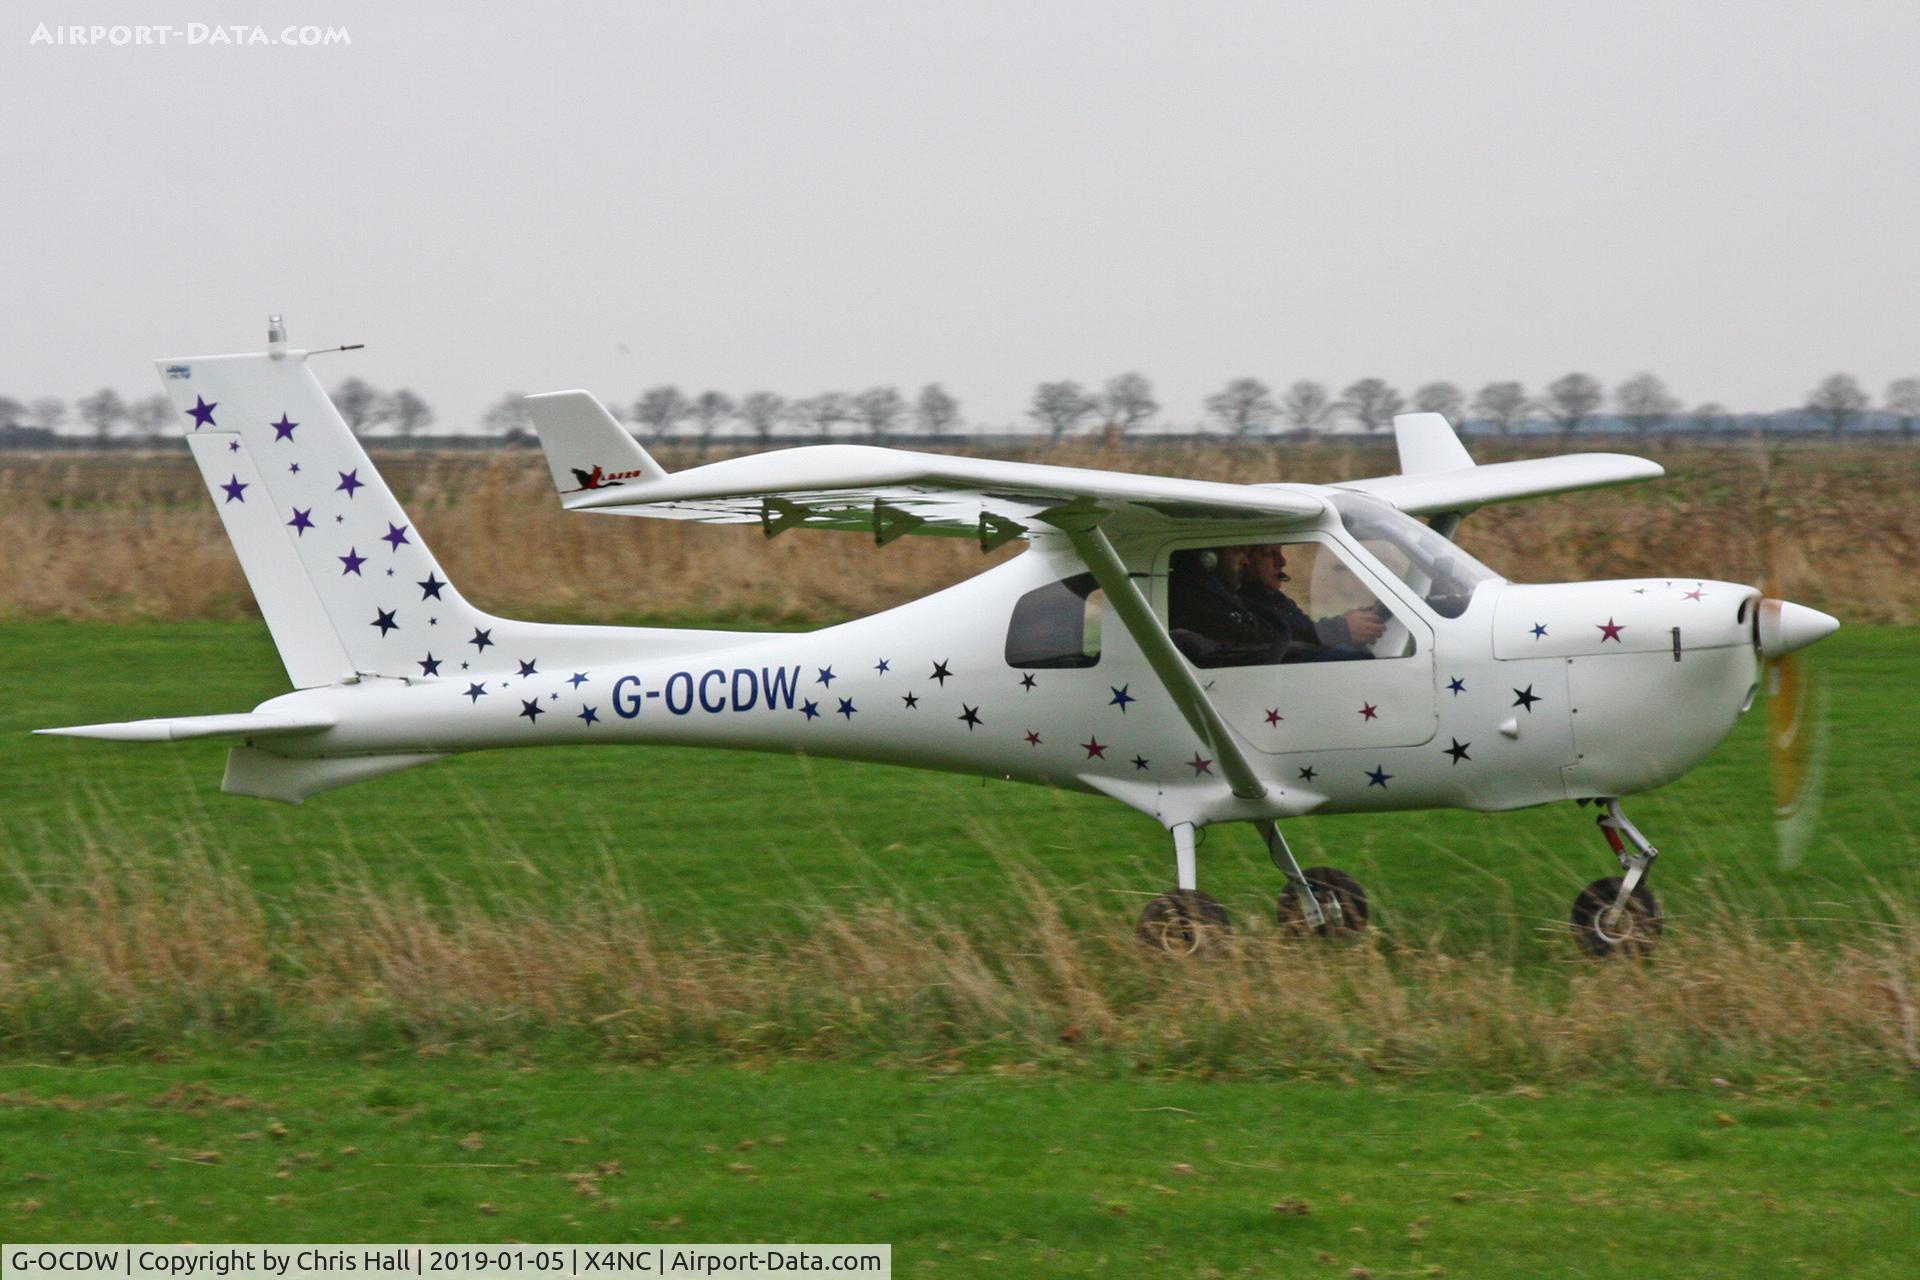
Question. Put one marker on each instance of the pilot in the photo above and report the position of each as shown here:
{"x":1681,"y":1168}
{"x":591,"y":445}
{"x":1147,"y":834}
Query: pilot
{"x":1339,"y":638}
{"x":1209,"y":620}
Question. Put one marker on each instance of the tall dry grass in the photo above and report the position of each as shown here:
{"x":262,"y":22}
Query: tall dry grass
{"x":126,"y":953}
{"x":123,"y":537}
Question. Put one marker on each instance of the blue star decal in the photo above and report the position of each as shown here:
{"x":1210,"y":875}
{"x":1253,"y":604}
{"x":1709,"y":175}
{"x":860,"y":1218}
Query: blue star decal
{"x":283,"y":430}
{"x":293,"y":468}
{"x":352,"y":560}
{"x":971,"y":715}
{"x":1120,"y":698}
{"x":1456,"y":686}
{"x":431,"y":667}
{"x":527,"y":667}
{"x":384,"y":621}
{"x":476,"y":691}
{"x":481,"y":639}
{"x":202,"y":412}
{"x":430,"y":589}
{"x":301,"y":522}
{"x":532,"y":709}
{"x":1377,"y":777}
{"x":846,"y":708}
{"x":826,"y":676}
{"x":233,"y":446}
{"x":1539,"y":629}
{"x":882,"y":666}
{"x":349,"y":481}
{"x":395,"y":535}
{"x":234,"y":489}
{"x":590,"y":714}
{"x":811,"y":710}
{"x":577,"y":679}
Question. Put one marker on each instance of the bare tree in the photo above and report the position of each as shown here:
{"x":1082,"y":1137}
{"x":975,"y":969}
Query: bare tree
{"x":661,"y":409}
{"x":360,"y":405}
{"x":1711,"y":417}
{"x":1503,"y":405}
{"x":1837,"y":401}
{"x":49,"y":413}
{"x":1060,"y":407}
{"x":935,"y":410}
{"x":1128,"y":401}
{"x":407,"y":412}
{"x":1903,"y":402}
{"x":12,"y":412}
{"x":1244,"y":407}
{"x":709,"y":410}
{"x":1643,"y":402}
{"x":1442,"y":398}
{"x":762,"y":412}
{"x":101,"y":411}
{"x":879,"y":410}
{"x":1572,"y":399}
{"x":1372,"y":403}
{"x":822,"y":413}
{"x":150,"y":415}
{"x":508,"y":416}
{"x":1306,"y":406}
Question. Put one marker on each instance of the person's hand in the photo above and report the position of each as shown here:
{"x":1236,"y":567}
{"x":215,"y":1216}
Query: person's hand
{"x":1365,"y":625}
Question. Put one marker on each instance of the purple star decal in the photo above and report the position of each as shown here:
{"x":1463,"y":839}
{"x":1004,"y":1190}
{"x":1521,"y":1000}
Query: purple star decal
{"x":384,"y":620}
{"x":349,"y":481}
{"x":301,"y":522}
{"x":431,"y":667}
{"x":395,"y":535}
{"x":481,"y":639}
{"x":283,"y":430}
{"x":202,"y":412}
{"x":532,"y":709}
{"x":1456,"y":686}
{"x":476,"y":691}
{"x":1610,"y":630}
{"x":1378,"y":777}
{"x":293,"y":468}
{"x":590,"y":714}
{"x":430,"y":589}
{"x":233,"y":446}
{"x":352,"y":560}
{"x":234,"y":489}
{"x":1200,"y":764}
{"x":846,"y":708}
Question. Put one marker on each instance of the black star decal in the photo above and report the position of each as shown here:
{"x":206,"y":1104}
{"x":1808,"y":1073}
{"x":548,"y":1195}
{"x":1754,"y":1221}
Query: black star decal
{"x":481,"y":639}
{"x":527,"y":668}
{"x":532,"y":709}
{"x":431,"y":667}
{"x":1139,"y":762}
{"x":940,"y":673}
{"x":1456,"y":686}
{"x":1033,"y":739}
{"x":1026,"y":682}
{"x":384,"y":621}
{"x":1377,"y":777}
{"x":1308,"y":773}
{"x":1458,"y":751}
{"x":430,"y":589}
{"x":911,"y":701}
{"x":971,"y":715}
{"x":476,"y":691}
{"x":1525,"y":698}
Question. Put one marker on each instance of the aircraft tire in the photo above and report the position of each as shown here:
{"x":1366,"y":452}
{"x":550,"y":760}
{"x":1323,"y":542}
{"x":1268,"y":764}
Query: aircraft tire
{"x":1330,"y":884}
{"x":1635,"y":932}
{"x":1185,"y":922}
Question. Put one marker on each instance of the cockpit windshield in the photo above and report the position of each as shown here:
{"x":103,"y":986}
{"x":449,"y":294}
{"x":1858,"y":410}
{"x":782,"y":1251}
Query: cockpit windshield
{"x":1442,"y":574}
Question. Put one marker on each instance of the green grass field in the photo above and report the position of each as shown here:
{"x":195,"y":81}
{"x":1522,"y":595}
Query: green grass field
{"x":978,"y":1165}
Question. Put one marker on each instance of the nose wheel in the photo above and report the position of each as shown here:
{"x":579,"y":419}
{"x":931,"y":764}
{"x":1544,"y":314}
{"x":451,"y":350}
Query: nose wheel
{"x":1342,"y":903}
{"x":1619,"y":916}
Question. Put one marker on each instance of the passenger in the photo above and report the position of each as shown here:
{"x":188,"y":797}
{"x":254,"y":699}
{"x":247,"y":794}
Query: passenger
{"x":1209,"y":620}
{"x":1335,"y":639}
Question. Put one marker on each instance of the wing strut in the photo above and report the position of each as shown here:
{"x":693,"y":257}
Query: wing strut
{"x":1082,"y":527}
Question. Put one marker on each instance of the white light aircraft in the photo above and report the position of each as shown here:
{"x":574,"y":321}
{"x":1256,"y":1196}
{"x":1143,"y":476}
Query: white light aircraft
{"x":1203,"y":652}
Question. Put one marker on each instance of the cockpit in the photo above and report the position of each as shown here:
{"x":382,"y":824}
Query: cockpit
{"x":1436,"y":570}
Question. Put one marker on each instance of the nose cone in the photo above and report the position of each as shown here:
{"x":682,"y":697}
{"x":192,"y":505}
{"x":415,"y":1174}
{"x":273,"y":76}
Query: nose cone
{"x":1785,"y":626}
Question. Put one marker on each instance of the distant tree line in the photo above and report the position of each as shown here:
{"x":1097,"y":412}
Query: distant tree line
{"x":1245,"y":408}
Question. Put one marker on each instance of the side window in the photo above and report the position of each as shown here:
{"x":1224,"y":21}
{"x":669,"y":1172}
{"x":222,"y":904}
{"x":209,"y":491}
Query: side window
{"x":1057,"y":625}
{"x":1258,"y":604}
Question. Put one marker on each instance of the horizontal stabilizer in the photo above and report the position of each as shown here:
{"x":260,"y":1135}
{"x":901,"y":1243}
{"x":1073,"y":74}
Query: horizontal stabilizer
{"x":586,"y":447}
{"x":246,"y":724}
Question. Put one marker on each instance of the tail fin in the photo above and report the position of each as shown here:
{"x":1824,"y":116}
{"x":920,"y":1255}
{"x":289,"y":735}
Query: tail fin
{"x":344,"y":579}
{"x":586,"y":447}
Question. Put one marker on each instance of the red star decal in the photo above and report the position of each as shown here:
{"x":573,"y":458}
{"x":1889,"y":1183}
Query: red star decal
{"x":1369,"y":712}
{"x":1274,"y":716}
{"x":1200,"y":764}
{"x":1694,"y":594}
{"x":1095,"y":749}
{"x":1033,"y":739}
{"x":1610,"y":630}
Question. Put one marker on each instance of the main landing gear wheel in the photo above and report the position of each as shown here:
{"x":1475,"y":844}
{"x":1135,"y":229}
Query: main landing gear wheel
{"x":1342,"y":901}
{"x":1603,"y":930}
{"x":1185,"y":922}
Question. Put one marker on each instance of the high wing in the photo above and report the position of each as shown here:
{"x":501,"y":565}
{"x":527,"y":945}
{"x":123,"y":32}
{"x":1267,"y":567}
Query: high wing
{"x":1438,"y":477}
{"x":598,"y":466}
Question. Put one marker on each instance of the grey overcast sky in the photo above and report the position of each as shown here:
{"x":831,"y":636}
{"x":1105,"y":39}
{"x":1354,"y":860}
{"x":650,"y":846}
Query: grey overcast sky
{"x":834,"y":195}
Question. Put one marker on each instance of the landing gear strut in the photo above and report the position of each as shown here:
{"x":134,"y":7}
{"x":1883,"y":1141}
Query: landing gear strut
{"x":1619,"y":916}
{"x":1324,"y":899}
{"x":1185,"y":922}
